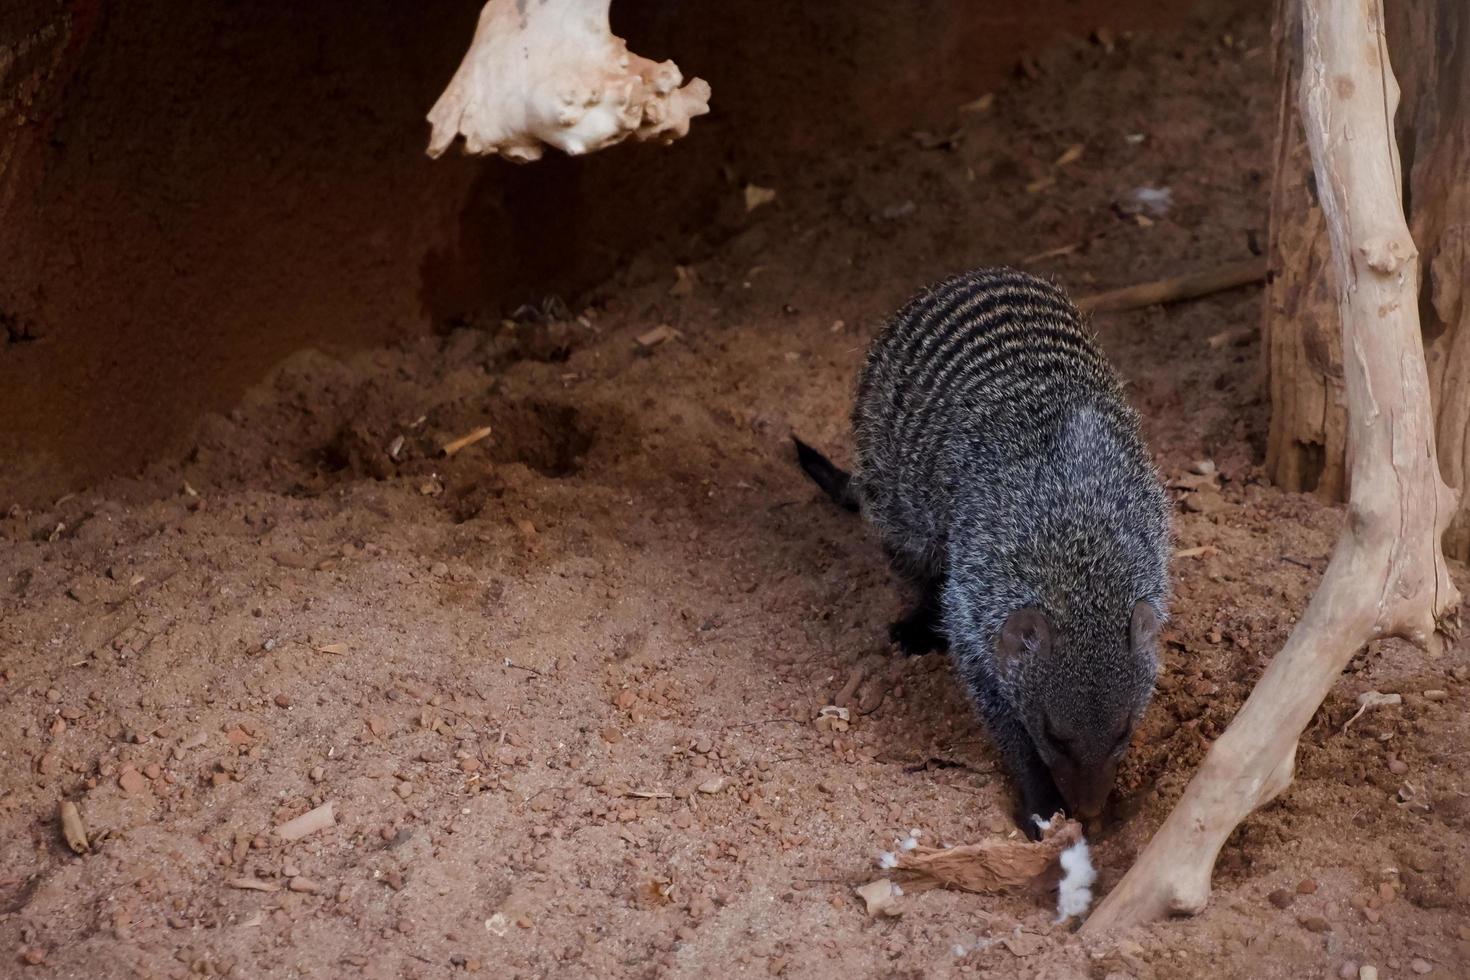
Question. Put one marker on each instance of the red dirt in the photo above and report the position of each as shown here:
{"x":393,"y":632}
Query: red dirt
{"x":628,"y":588}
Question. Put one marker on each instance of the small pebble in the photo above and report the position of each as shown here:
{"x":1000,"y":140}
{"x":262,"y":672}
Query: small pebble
{"x":1281,"y":898}
{"x":132,"y":781}
{"x":1366,"y":972}
{"x":1348,"y":970}
{"x":469,"y":764}
{"x":317,"y":774}
{"x":1398,"y":766}
{"x":305,"y":885}
{"x":34,"y":956}
{"x":1434,"y":694}
{"x":1420,"y":966}
{"x":283,"y":700}
{"x":1307,"y":886}
{"x":712,"y":785}
{"x":1315,"y":923}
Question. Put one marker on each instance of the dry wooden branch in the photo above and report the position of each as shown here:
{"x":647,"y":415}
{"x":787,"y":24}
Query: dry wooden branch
{"x":1387,"y":576}
{"x":1190,"y":286}
{"x":552,"y":74}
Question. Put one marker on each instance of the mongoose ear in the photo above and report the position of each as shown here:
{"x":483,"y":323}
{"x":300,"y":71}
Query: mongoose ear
{"x":1143,"y":631}
{"x":1025,"y":634}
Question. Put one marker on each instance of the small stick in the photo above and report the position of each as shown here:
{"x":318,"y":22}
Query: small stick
{"x":854,"y":679}
{"x":252,"y":885}
{"x":650,"y":794}
{"x":1203,"y":551}
{"x":533,"y":670}
{"x":1190,"y":286}
{"x":468,"y":439}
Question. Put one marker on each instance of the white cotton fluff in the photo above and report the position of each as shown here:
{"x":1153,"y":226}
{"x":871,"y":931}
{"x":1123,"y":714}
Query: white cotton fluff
{"x":958,"y":950}
{"x":887,"y":859}
{"x":1075,"y":894}
{"x":908,"y":844}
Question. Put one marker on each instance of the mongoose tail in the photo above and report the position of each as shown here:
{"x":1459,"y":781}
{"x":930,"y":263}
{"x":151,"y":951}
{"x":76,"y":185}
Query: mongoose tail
{"x":834,"y":481}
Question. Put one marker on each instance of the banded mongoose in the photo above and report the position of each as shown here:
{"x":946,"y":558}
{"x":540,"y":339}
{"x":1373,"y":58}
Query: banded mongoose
{"x":1005,"y":473}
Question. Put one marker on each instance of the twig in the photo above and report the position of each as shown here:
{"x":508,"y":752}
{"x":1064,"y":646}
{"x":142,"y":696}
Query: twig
{"x":763,"y":721}
{"x":533,"y":670}
{"x":650,"y":794}
{"x":468,"y":439}
{"x":1190,"y":286}
{"x":1052,"y":253}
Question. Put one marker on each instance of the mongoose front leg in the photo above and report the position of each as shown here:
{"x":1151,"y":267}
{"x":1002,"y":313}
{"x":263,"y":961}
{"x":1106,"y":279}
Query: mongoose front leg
{"x":922,"y":630}
{"x":1039,"y":796}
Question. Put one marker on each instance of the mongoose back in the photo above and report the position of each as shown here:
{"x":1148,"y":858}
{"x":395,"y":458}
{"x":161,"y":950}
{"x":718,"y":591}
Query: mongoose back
{"x":1005,"y":473}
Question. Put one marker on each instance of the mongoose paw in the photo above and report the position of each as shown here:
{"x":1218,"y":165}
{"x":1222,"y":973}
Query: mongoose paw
{"x":1037,"y":807}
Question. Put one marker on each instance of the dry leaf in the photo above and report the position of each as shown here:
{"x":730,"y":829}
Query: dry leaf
{"x":879,"y":896}
{"x":656,"y":892}
{"x":1372,"y":699}
{"x":756,"y":196}
{"x":1024,"y":944}
{"x":833,"y":719}
{"x":687,"y":279}
{"x":992,"y":866}
{"x":73,"y":831}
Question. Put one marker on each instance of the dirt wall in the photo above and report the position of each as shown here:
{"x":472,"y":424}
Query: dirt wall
{"x":212,"y":186}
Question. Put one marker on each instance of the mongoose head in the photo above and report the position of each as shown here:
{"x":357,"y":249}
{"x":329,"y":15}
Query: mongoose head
{"x":1080,"y":689}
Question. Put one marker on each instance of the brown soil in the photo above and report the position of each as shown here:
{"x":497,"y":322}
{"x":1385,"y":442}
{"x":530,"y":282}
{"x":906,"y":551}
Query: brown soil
{"x":516,"y":671}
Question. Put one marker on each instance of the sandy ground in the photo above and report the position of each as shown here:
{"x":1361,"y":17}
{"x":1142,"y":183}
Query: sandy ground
{"x":559,"y":687}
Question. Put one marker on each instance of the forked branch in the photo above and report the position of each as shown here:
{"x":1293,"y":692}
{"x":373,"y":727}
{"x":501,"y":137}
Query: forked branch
{"x":1387,"y":576}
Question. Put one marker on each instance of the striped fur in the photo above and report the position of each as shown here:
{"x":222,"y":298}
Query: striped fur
{"x":1004,"y":471}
